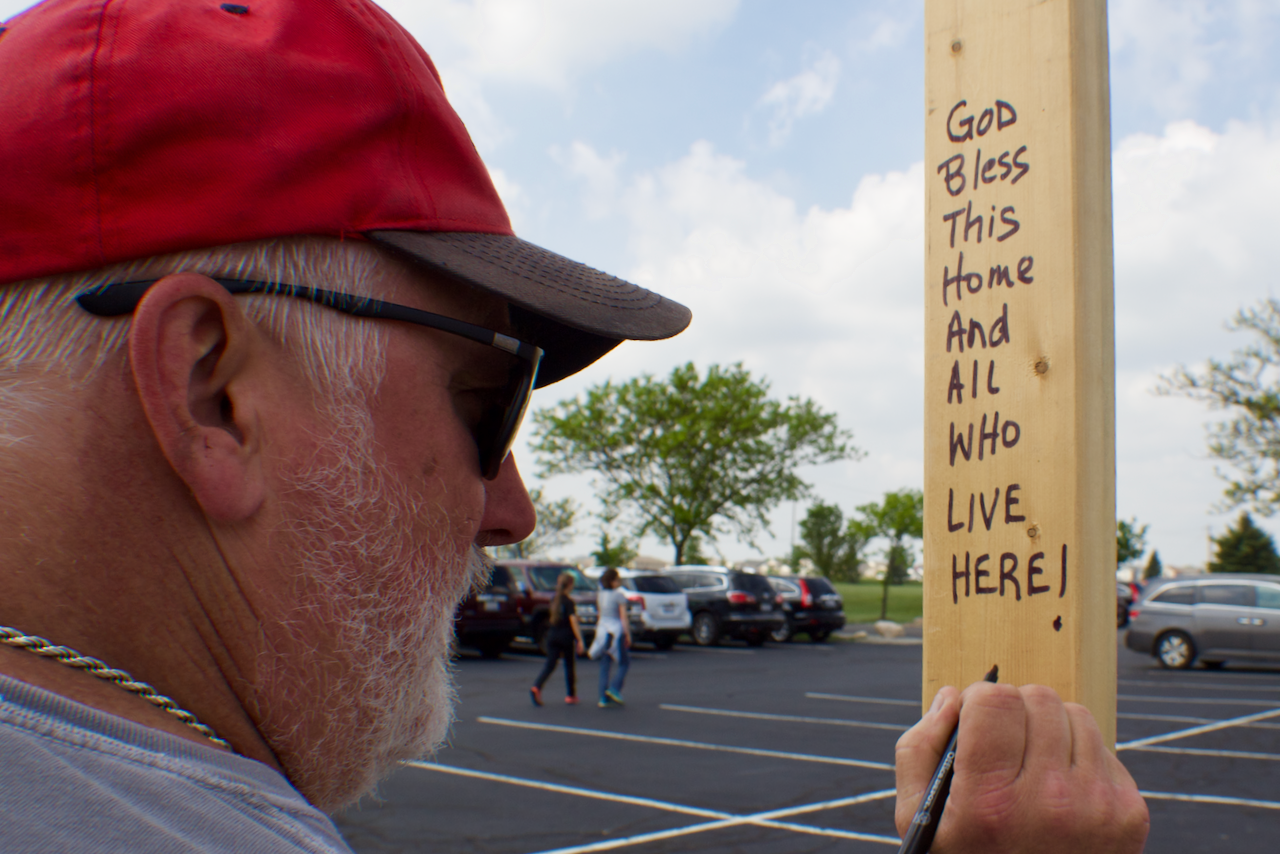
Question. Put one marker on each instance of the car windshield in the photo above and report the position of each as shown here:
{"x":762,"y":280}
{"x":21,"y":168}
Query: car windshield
{"x":653,"y":584}
{"x":1176,"y":596}
{"x":819,"y":586}
{"x":544,"y":578}
{"x":784,"y":586}
{"x":756,"y":584}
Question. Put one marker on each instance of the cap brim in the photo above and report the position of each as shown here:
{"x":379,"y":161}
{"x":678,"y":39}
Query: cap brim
{"x":573,"y":312}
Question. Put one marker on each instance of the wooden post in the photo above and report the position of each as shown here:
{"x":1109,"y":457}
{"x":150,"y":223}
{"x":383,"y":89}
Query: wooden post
{"x":1019,"y":545}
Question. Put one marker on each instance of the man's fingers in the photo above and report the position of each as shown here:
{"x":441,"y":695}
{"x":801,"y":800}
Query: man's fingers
{"x":1049,"y":744}
{"x":993,"y":735}
{"x":918,"y":751}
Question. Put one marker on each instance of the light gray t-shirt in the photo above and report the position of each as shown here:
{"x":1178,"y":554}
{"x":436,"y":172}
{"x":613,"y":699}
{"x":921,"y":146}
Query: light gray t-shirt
{"x":75,"y":779}
{"x":609,"y":603}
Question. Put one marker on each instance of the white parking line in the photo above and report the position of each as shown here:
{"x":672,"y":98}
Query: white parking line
{"x":1183,"y":719}
{"x":695,"y":745}
{"x":763,"y":819}
{"x":1211,"y":799}
{"x":1204,"y":701}
{"x":1203,"y":686}
{"x":1204,"y":751}
{"x":1198,"y":730}
{"x":800,"y":719}
{"x":845,"y":698}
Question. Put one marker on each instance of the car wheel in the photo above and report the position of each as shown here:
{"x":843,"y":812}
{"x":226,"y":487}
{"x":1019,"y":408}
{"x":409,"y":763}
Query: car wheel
{"x":1175,"y":651}
{"x":782,"y":633}
{"x":540,"y":636}
{"x":706,"y":629}
{"x":664,"y":641}
{"x":1122,"y":616}
{"x":756,"y":639}
{"x":819,"y":636}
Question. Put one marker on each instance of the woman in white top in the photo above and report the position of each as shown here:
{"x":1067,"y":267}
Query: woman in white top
{"x":613,"y":638}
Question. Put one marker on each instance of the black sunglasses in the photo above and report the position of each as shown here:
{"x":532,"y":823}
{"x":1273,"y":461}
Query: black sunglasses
{"x":495,"y":429}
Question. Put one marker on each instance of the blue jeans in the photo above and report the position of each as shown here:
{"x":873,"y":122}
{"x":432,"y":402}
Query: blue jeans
{"x":606,"y":665}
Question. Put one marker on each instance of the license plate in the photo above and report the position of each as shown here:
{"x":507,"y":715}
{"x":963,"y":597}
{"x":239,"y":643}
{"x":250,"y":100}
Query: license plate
{"x":668,"y":609}
{"x":766,"y":607}
{"x":491,"y":606}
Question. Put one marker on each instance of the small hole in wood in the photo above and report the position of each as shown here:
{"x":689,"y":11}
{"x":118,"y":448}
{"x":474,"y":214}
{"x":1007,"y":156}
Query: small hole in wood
{"x":1042,"y":366}
{"x":956,"y":46}
{"x":1033,"y":532}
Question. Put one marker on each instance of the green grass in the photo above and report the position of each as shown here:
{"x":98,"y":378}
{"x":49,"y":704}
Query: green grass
{"x":862,"y":601}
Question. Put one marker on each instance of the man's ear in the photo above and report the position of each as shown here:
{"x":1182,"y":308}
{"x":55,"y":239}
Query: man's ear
{"x":196,"y":362}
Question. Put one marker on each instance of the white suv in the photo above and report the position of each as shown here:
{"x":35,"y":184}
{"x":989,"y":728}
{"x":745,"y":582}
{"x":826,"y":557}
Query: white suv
{"x":659,"y":609}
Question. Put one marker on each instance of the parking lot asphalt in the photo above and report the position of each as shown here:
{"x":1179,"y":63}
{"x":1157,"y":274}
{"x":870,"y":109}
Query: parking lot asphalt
{"x":785,"y":748}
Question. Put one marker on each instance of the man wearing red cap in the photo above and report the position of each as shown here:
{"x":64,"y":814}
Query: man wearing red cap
{"x":266,"y":338}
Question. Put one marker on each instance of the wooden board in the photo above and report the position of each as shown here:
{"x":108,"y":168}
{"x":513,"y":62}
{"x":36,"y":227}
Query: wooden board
{"x":1019,"y":542}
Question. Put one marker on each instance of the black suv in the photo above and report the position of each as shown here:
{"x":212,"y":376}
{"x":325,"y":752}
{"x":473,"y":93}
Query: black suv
{"x":533,"y":588}
{"x":728,"y":603}
{"x":489,"y":620}
{"x":811,"y":605}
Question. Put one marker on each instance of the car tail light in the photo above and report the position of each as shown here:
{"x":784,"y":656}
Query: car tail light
{"x":806,"y":598}
{"x":636,"y":599}
{"x":737,"y":597}
{"x":1133,"y":613}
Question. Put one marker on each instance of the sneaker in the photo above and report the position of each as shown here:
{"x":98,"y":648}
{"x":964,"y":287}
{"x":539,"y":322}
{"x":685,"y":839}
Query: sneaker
{"x":535,"y":694}
{"x":614,"y":697}
{"x":571,"y":701}
{"x":604,"y":704}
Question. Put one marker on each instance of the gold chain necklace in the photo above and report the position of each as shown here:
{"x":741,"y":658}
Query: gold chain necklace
{"x":71,"y":658}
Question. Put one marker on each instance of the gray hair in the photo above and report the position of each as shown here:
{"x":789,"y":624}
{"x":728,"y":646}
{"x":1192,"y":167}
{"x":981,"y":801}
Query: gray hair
{"x":46,"y":339}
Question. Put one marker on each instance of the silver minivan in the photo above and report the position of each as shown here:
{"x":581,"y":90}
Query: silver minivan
{"x":1210,"y":618}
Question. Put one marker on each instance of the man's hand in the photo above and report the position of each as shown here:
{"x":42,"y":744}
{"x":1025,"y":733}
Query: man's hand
{"x":1031,"y":775}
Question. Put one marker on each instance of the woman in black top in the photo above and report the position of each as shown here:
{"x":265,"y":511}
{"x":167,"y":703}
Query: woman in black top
{"x":564,"y":638}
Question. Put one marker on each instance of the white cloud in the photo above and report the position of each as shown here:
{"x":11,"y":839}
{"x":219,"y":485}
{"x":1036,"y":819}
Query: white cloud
{"x":548,"y":43}
{"x":825,"y":303}
{"x":1175,"y":52}
{"x":1195,"y":226}
{"x":598,"y":173}
{"x":805,"y":94}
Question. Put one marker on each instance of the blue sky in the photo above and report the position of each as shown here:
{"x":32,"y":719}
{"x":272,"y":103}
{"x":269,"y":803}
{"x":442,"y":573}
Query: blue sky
{"x":761,"y":162}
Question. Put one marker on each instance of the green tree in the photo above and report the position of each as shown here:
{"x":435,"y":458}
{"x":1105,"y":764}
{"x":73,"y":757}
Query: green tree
{"x":1131,"y":541}
{"x":898,"y":519}
{"x":834,"y":547}
{"x":1247,"y":386}
{"x":690,"y":454}
{"x":555,"y":528}
{"x":1154,"y":568}
{"x":1245,"y":548}
{"x":610,"y":553}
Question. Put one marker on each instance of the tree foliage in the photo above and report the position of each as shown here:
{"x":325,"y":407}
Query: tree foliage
{"x":1131,"y":541}
{"x":610,"y":553}
{"x":555,"y":528}
{"x":690,"y":454}
{"x":1248,"y":387}
{"x":898,"y":519}
{"x":834,"y":547}
{"x":1154,"y":568}
{"x":1245,"y":548}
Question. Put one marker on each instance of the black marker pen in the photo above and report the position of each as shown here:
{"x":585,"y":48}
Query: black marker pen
{"x":924,"y":824}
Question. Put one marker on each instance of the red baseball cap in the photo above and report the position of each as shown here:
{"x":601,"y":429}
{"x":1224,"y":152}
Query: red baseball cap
{"x":132,"y":128}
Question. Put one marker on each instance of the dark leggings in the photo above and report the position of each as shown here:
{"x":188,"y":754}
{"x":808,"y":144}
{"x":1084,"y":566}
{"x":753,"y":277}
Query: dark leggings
{"x":555,"y":649}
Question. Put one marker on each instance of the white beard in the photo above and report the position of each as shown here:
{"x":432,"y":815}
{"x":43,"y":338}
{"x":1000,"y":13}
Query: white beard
{"x":357,"y":677}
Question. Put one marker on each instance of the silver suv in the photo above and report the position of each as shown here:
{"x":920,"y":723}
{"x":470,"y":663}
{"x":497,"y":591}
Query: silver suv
{"x":1211,"y":618}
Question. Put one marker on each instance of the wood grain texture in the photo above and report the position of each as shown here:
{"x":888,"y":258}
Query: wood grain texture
{"x":1019,"y":336}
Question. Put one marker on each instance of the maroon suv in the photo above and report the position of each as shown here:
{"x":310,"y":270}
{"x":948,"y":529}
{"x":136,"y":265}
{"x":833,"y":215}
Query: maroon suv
{"x":533,"y":587}
{"x":489,"y":620}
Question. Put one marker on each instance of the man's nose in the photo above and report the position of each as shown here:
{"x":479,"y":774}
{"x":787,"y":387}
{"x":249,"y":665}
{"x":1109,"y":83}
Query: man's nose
{"x":509,"y":516}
